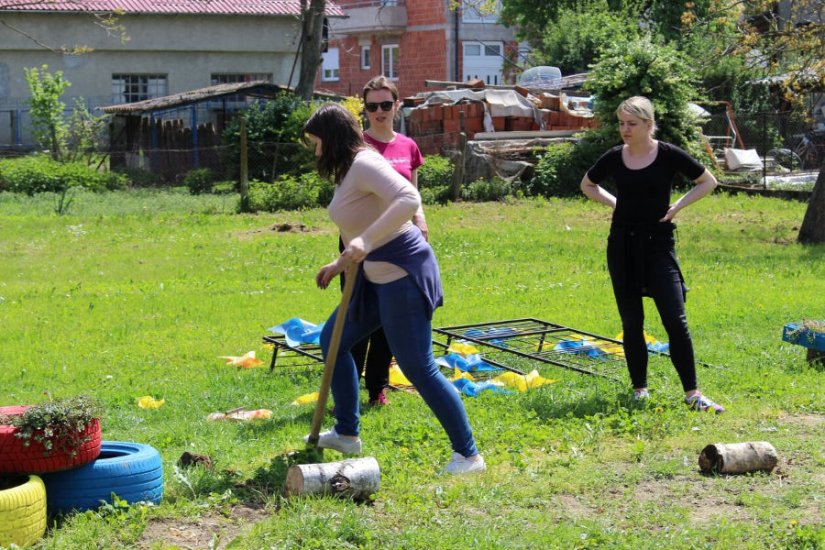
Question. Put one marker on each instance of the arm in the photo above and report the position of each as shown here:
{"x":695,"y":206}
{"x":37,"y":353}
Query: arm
{"x":704,"y":185}
{"x":595,"y":192}
{"x":418,"y":218}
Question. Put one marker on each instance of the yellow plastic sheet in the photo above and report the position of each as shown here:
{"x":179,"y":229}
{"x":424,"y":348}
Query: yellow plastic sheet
{"x":149,"y":402}
{"x":245,"y":361}
{"x":462,"y":349}
{"x":397,"y":377}
{"x":458,"y":374}
{"x":523,"y":382}
{"x":306,"y":398}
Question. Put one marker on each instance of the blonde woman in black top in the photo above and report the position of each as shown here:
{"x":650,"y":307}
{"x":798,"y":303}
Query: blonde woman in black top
{"x":641,"y":257}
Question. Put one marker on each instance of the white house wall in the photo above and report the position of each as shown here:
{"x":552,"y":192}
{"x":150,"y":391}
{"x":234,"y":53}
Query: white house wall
{"x":188,"y":49}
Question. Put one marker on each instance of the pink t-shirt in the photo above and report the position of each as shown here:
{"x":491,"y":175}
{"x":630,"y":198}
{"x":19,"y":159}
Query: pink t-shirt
{"x":402,"y":153}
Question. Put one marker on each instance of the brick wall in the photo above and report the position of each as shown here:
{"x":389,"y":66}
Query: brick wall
{"x":426,"y":12}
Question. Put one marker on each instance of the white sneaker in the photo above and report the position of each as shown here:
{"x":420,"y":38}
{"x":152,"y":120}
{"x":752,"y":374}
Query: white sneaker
{"x":460,"y":465}
{"x":330,"y":439}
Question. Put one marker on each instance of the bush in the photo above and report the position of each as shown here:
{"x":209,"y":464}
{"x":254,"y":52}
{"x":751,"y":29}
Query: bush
{"x":482,"y":190}
{"x":289,"y":193}
{"x":559,"y":171}
{"x":273,"y":130}
{"x":39,"y":174}
{"x":199,"y":181}
{"x":435,"y":179}
{"x":437,"y":171}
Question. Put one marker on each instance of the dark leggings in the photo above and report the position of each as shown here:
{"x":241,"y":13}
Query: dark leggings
{"x":372,"y":355}
{"x":664,"y":285}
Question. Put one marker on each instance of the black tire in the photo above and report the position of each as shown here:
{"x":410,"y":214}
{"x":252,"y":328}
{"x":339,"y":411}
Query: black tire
{"x":132,"y":471}
{"x":23,"y":512}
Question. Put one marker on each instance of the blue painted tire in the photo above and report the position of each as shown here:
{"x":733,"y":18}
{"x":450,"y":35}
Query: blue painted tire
{"x":132,"y":471}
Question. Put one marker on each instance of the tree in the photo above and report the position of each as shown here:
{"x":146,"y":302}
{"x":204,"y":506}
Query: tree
{"x":312,"y":26}
{"x":48,"y":125}
{"x":789,"y":43}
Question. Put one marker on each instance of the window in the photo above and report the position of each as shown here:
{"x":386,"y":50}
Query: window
{"x":389,"y":60}
{"x":483,"y":60}
{"x":232,"y":78}
{"x":330,"y":68}
{"x":470,"y":13}
{"x":366,"y":61}
{"x":128,"y":88}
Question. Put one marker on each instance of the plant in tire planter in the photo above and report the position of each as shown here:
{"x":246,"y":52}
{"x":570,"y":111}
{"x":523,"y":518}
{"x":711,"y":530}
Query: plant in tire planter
{"x":49,"y":437}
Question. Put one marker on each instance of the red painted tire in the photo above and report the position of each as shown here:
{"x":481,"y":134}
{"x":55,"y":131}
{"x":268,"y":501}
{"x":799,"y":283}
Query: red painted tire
{"x":16,"y":458}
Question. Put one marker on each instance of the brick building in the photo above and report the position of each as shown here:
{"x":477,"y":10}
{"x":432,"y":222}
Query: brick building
{"x":412,"y":41}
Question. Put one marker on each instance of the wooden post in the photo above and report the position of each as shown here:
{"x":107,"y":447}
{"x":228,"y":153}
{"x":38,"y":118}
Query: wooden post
{"x":458,"y":169}
{"x":244,"y":186}
{"x":738,"y":458}
{"x":356,"y":478}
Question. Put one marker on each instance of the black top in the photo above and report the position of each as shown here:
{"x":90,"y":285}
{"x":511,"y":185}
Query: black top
{"x":643,"y":196}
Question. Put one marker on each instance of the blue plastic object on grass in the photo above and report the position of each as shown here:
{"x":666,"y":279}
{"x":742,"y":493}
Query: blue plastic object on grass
{"x":472,"y":389}
{"x":297,"y":331}
{"x":470,"y":363}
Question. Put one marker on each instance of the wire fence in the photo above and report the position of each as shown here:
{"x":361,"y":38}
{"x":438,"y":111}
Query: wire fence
{"x":788,"y":148}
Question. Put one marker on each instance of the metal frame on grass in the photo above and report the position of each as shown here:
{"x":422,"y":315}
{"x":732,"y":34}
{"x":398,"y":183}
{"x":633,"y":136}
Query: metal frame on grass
{"x":542,"y":341}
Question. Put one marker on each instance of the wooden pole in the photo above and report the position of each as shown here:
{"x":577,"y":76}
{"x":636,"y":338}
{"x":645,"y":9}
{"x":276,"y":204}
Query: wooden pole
{"x":738,"y":458}
{"x":244,"y":168}
{"x":458,"y":168}
{"x":332,"y":353}
{"x":356,"y":478}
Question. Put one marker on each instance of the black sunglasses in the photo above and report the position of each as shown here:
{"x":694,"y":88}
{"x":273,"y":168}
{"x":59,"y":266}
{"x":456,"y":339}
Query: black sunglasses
{"x":385,"y":106}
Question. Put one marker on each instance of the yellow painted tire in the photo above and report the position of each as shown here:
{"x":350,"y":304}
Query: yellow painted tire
{"x":23,"y":512}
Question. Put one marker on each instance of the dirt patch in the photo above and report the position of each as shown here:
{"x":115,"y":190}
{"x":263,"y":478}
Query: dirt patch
{"x":807,"y":420}
{"x":212,"y":530}
{"x":285,"y":227}
{"x":572,"y":507}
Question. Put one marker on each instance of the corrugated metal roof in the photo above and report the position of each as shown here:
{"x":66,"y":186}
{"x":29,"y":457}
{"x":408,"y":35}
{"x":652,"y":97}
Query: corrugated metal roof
{"x":257,"y":88}
{"x":211,"y":7}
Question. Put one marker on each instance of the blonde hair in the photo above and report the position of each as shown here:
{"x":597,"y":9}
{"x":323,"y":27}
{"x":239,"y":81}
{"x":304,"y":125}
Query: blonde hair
{"x":641,"y":107}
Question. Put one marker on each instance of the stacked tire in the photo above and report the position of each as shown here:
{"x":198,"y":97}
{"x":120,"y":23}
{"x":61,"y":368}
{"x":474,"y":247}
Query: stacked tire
{"x":34,"y":481}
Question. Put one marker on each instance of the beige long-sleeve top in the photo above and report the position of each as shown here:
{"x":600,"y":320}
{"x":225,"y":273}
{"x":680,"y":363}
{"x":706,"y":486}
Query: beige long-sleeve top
{"x":376,"y":203}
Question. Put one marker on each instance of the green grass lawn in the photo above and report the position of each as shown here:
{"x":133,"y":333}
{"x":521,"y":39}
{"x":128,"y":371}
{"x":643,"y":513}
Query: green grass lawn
{"x":136,"y":294}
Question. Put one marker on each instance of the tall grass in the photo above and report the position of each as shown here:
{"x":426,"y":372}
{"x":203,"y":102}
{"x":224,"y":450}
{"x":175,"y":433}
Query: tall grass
{"x":139,"y":293}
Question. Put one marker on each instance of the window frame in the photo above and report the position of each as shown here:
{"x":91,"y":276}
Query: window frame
{"x":331,"y":65}
{"x":388,"y":59}
{"x":366,"y":57}
{"x":134,"y":87}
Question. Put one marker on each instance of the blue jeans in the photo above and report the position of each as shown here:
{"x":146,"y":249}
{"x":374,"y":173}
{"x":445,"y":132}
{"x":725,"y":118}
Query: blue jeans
{"x":398,"y":307}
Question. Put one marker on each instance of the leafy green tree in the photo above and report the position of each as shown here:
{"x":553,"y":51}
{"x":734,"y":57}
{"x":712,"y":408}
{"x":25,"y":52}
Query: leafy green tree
{"x":574,"y":41}
{"x":656,"y":71}
{"x":48,"y":125}
{"x":273,"y":139}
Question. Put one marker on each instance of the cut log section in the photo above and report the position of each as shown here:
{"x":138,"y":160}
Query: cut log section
{"x":356,"y":478}
{"x":738,"y":458}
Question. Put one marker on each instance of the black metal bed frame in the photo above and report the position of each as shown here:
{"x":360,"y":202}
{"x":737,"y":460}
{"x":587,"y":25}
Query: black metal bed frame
{"x":528,"y":338}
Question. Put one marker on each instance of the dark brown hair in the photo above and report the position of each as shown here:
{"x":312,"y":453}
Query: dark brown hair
{"x":340,"y":137}
{"x":379,"y":83}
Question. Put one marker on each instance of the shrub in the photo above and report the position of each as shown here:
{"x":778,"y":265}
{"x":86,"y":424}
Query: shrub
{"x":199,"y":181}
{"x":435,"y":179}
{"x":38,"y":174}
{"x":482,"y":190}
{"x":437,"y":171}
{"x":560,"y":169}
{"x":289,"y":193}
{"x":273,"y":130}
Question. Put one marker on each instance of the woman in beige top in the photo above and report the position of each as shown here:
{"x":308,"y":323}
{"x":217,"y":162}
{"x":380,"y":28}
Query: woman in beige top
{"x":398,"y":284}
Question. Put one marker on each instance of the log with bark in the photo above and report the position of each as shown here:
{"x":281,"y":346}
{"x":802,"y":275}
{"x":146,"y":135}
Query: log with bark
{"x":356,"y":478}
{"x":738,"y":458}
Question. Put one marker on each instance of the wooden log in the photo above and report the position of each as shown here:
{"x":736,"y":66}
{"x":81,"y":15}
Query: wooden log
{"x":738,"y":458}
{"x":356,"y":478}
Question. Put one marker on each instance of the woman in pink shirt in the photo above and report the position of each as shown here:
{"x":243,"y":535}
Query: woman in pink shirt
{"x":398,"y":284}
{"x":372,"y":355}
